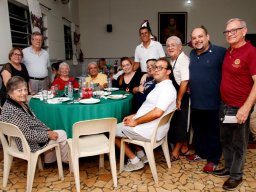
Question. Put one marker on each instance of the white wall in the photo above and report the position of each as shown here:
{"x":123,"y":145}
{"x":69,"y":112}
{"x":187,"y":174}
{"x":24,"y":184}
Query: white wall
{"x":5,"y":35}
{"x":126,"y":17}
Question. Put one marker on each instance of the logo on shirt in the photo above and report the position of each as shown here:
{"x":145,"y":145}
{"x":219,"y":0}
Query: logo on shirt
{"x":237,"y":63}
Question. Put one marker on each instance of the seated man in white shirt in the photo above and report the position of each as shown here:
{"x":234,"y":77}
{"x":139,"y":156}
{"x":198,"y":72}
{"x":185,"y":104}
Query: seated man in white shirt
{"x":160,"y":101}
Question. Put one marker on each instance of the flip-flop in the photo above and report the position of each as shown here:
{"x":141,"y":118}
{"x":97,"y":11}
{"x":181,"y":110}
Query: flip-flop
{"x":173,"y":158}
{"x":185,"y":153}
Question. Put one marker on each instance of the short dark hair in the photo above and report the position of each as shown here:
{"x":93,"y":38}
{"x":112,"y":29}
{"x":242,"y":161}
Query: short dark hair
{"x":169,"y":66}
{"x":151,"y":60}
{"x":14,"y":49}
{"x":144,"y":27}
{"x":13,"y":83}
{"x":203,"y":28}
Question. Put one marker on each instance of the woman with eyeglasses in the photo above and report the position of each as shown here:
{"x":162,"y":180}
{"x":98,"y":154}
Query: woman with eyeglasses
{"x":13,"y":68}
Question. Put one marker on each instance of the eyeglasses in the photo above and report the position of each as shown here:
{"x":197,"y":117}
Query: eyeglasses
{"x":158,"y":68}
{"x":232,"y":31}
{"x":17,"y":54}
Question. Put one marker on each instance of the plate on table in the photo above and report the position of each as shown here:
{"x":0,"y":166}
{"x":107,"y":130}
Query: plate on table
{"x":89,"y":101}
{"x":116,"y":96}
{"x":40,"y":96}
{"x":102,"y":93}
{"x":58,"y":100}
{"x":111,"y":89}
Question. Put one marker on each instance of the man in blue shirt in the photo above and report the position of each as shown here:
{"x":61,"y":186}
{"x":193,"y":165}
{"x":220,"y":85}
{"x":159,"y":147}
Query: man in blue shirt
{"x":205,"y":76}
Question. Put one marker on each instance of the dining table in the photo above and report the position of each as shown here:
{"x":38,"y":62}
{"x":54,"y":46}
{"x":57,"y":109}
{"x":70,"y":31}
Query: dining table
{"x":63,"y":115}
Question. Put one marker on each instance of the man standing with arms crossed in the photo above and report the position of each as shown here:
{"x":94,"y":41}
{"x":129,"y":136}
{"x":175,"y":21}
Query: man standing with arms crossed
{"x":238,"y":93}
{"x":37,"y":62}
{"x":148,"y":49}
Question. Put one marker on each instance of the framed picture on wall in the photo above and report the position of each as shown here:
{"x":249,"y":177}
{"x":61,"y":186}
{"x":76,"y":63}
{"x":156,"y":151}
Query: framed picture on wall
{"x":172,"y":23}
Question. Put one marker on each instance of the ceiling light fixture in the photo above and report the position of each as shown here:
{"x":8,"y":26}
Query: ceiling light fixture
{"x":188,"y":1}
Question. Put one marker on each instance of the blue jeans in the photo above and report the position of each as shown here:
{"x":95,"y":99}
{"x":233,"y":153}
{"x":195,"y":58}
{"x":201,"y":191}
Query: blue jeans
{"x":234,"y":139}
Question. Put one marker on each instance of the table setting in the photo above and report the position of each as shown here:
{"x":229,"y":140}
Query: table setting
{"x":61,"y":112}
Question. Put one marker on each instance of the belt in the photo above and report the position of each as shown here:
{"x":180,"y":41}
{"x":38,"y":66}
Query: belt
{"x":35,"y":78}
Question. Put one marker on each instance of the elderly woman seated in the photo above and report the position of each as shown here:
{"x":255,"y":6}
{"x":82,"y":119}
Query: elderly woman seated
{"x":64,"y":77}
{"x":17,"y":112}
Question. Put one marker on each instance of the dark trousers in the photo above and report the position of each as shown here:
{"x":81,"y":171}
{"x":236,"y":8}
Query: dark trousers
{"x":234,"y":140}
{"x":206,"y":139}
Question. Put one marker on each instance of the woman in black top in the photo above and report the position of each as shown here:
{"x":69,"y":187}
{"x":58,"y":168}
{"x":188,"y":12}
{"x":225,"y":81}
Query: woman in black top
{"x":13,"y":68}
{"x":129,"y":79}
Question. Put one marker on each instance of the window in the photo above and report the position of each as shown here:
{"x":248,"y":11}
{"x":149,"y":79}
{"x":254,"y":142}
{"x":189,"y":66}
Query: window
{"x":68,"y":43}
{"x":19,"y":24}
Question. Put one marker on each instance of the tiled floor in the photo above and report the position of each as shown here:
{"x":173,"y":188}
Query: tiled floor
{"x":183,"y":176}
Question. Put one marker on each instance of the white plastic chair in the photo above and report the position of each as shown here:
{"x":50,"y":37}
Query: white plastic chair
{"x":89,"y":140}
{"x":10,"y":131}
{"x":149,"y":147}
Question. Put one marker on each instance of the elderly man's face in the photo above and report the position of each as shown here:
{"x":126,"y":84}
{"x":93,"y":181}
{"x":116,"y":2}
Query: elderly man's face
{"x":235,"y":33}
{"x":93,"y":70}
{"x":37,"y":41}
{"x":173,"y":49}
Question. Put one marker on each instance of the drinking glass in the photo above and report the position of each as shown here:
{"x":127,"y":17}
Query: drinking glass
{"x":45,"y":96}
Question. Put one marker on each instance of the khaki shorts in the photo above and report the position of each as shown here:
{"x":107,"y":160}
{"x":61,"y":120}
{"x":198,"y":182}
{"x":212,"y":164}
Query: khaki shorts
{"x":126,"y":131}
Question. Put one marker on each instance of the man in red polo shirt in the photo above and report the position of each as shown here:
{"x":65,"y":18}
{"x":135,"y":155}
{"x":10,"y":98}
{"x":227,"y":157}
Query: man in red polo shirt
{"x":238,"y":93}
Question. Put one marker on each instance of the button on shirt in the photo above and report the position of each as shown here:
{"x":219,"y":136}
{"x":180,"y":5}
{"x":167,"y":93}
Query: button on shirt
{"x":37,"y":64}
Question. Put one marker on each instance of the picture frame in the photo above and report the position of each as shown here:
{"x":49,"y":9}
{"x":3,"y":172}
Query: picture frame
{"x":172,"y":23}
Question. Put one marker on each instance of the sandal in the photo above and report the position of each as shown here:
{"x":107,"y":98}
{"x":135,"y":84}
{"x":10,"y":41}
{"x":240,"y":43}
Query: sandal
{"x":186,"y":153}
{"x":173,"y":158}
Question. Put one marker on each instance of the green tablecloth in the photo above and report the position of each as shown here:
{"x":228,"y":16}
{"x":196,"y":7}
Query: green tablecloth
{"x":64,"y":115}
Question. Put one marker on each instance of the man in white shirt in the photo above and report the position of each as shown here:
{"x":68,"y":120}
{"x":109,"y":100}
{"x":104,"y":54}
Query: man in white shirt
{"x":37,"y":62}
{"x":160,"y":101}
{"x":148,"y":49}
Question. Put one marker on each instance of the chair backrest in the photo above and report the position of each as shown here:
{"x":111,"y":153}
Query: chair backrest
{"x":12,"y":131}
{"x":94,"y":126}
{"x":165,"y":119}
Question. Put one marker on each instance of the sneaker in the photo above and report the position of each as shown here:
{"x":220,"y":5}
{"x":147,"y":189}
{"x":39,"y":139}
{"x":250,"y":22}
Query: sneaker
{"x":133,"y":167}
{"x":232,"y":184}
{"x":194,"y":157}
{"x":144,"y":159}
{"x":221,"y":173}
{"x":209,"y":167}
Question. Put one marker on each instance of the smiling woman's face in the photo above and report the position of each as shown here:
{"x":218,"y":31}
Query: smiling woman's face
{"x":20,"y":93}
{"x":126,"y":66}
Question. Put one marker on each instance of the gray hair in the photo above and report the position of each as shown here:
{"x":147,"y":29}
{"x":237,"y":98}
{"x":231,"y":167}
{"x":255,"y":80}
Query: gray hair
{"x":14,"y":83}
{"x":174,"y":38}
{"x":92,"y":63}
{"x":64,"y":64}
{"x":242,"y":22}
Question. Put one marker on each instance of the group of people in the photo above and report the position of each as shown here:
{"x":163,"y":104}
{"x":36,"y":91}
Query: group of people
{"x":219,"y":83}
